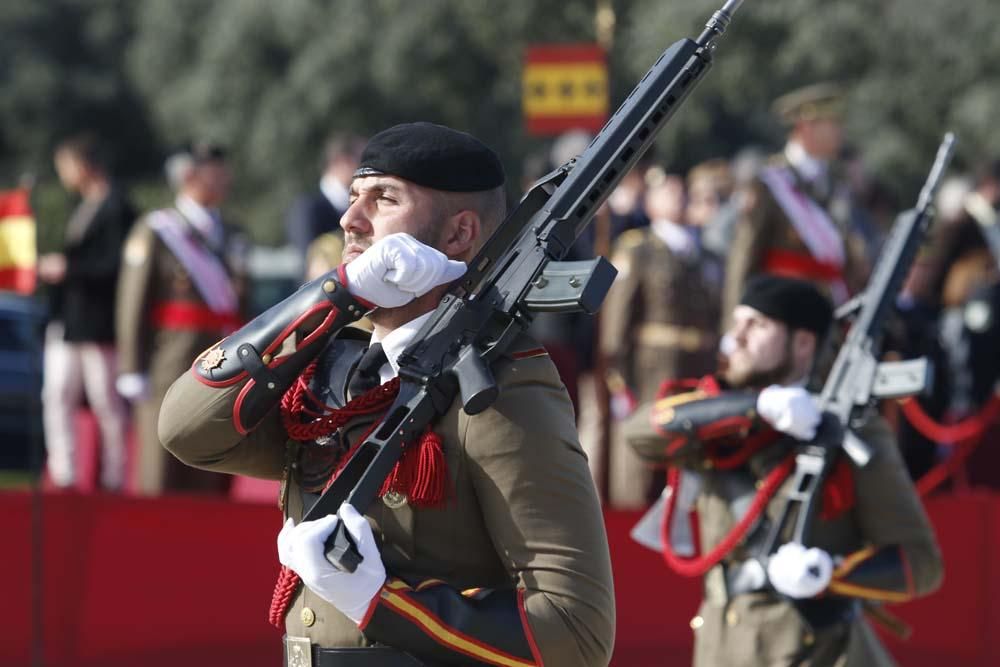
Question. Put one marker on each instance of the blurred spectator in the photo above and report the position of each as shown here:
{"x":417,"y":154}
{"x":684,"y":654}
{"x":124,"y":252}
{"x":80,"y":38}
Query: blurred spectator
{"x":79,"y":340}
{"x":796,"y":219}
{"x":717,"y":235}
{"x":961,"y":258}
{"x":658,"y":322}
{"x":181,"y":289}
{"x":317,"y":214}
{"x":709,"y":186}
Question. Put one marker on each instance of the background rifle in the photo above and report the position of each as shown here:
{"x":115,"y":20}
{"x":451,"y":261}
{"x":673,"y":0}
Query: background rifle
{"x":514,"y":275}
{"x":857,"y":378}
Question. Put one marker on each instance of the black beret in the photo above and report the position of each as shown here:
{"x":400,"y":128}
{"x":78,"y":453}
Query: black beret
{"x":796,"y":303}
{"x":434,"y":156}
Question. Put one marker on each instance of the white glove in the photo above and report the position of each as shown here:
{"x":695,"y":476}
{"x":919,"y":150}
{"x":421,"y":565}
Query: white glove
{"x":133,"y":386}
{"x":397,"y":269}
{"x":799,"y":572}
{"x":300,"y":548}
{"x":790,"y":410}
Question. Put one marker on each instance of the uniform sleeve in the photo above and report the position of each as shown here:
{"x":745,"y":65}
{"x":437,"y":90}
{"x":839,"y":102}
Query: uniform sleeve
{"x":223,"y":413}
{"x":196,"y":426}
{"x":541,"y":508}
{"x":902,"y":558}
{"x":673,"y":429}
{"x":135,"y":289}
{"x":754,"y":229}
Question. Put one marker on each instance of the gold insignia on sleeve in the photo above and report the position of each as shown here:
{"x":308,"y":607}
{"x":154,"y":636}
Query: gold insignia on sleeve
{"x":213,"y":359}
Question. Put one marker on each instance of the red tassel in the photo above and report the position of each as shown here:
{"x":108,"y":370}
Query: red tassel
{"x":838,"y":491}
{"x":421,"y":473}
{"x":430,"y":486}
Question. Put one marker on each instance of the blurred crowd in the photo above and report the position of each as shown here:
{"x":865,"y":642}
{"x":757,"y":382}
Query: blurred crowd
{"x":135,"y":296}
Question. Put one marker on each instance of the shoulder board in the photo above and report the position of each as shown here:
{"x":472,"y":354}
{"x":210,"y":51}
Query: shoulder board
{"x":631,"y":239}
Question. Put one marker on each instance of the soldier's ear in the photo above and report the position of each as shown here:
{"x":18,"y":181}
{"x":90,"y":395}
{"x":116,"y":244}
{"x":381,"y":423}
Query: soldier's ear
{"x":803,"y":346}
{"x":462,"y":234}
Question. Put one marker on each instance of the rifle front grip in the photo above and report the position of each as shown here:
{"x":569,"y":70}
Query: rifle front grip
{"x":475,"y":382}
{"x":341,"y":550}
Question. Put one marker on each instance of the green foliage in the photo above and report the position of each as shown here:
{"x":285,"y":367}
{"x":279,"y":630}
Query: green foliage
{"x":273,"y":79}
{"x":913,"y":69}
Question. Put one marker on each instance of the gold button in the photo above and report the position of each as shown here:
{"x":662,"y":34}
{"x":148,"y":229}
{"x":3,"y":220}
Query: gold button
{"x":267,"y":359}
{"x":308,"y":616}
{"x":696,"y":622}
{"x":809,"y":639}
{"x":329,"y":286}
{"x":732,"y":618}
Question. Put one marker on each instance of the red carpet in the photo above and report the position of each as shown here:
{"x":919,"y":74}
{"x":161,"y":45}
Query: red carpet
{"x":187,"y":581}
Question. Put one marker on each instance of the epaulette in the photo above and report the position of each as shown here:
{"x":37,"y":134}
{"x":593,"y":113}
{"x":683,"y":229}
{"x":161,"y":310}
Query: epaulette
{"x":630,"y":239}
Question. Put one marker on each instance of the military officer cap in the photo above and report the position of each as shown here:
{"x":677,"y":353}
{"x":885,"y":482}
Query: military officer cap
{"x":433,"y":156}
{"x":815,"y":102}
{"x":192,"y":154}
{"x":796,"y":303}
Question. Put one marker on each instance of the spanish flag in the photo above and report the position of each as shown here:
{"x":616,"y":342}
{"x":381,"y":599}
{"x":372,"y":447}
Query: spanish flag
{"x":17,"y":242}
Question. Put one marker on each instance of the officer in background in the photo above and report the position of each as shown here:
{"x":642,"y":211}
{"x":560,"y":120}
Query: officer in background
{"x":487,"y":544}
{"x":313,"y":221}
{"x":797,"y":216}
{"x":181,"y":287}
{"x":658,"y":322}
{"x":730,"y":449}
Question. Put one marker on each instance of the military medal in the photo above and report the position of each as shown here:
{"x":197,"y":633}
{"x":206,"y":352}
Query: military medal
{"x":213,"y":359}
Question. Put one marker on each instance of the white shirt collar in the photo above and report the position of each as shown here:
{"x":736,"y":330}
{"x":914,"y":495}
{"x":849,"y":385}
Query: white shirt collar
{"x":335,"y":191}
{"x":811,"y":168}
{"x":678,"y":238}
{"x":201,"y":218}
{"x":395,"y":342}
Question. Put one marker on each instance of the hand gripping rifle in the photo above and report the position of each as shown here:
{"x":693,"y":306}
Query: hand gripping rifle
{"x":858,"y":378}
{"x":516,"y":274}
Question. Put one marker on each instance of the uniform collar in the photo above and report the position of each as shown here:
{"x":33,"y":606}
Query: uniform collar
{"x":205,"y":221}
{"x":395,"y":342}
{"x":811,"y":169}
{"x":680,"y":239}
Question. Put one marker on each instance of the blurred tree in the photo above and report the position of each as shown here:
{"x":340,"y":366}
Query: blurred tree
{"x":913,"y":69}
{"x":273,"y":79}
{"x":60,"y":74}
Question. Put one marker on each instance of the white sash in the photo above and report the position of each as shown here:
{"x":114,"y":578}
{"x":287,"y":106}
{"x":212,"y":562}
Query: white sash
{"x":811,"y":222}
{"x":207,"y":272}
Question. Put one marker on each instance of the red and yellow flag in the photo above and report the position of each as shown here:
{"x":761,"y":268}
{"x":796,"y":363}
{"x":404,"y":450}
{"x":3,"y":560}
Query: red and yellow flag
{"x":564,"y":87}
{"x":17,"y":242}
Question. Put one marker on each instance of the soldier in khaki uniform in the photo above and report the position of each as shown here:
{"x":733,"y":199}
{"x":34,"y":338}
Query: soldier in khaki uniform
{"x":729,"y":448}
{"x":659,"y":321}
{"x":181,"y":287}
{"x":797,"y":216}
{"x":493,"y":550}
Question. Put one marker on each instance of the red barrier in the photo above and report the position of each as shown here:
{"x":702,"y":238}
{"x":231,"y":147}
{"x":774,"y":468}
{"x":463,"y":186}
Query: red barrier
{"x":182,"y":580}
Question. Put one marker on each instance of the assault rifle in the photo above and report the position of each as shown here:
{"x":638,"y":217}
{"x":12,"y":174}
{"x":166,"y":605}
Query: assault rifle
{"x":857,"y":379}
{"x":516,"y":274}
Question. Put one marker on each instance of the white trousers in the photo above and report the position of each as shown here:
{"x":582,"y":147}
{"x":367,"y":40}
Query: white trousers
{"x":69,"y":370}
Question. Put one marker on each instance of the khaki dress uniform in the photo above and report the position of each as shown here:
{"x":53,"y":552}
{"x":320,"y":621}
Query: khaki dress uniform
{"x":522,"y":520}
{"x":162,"y":323}
{"x":743,"y":625}
{"x":658,"y":322}
{"x":766,"y":240}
